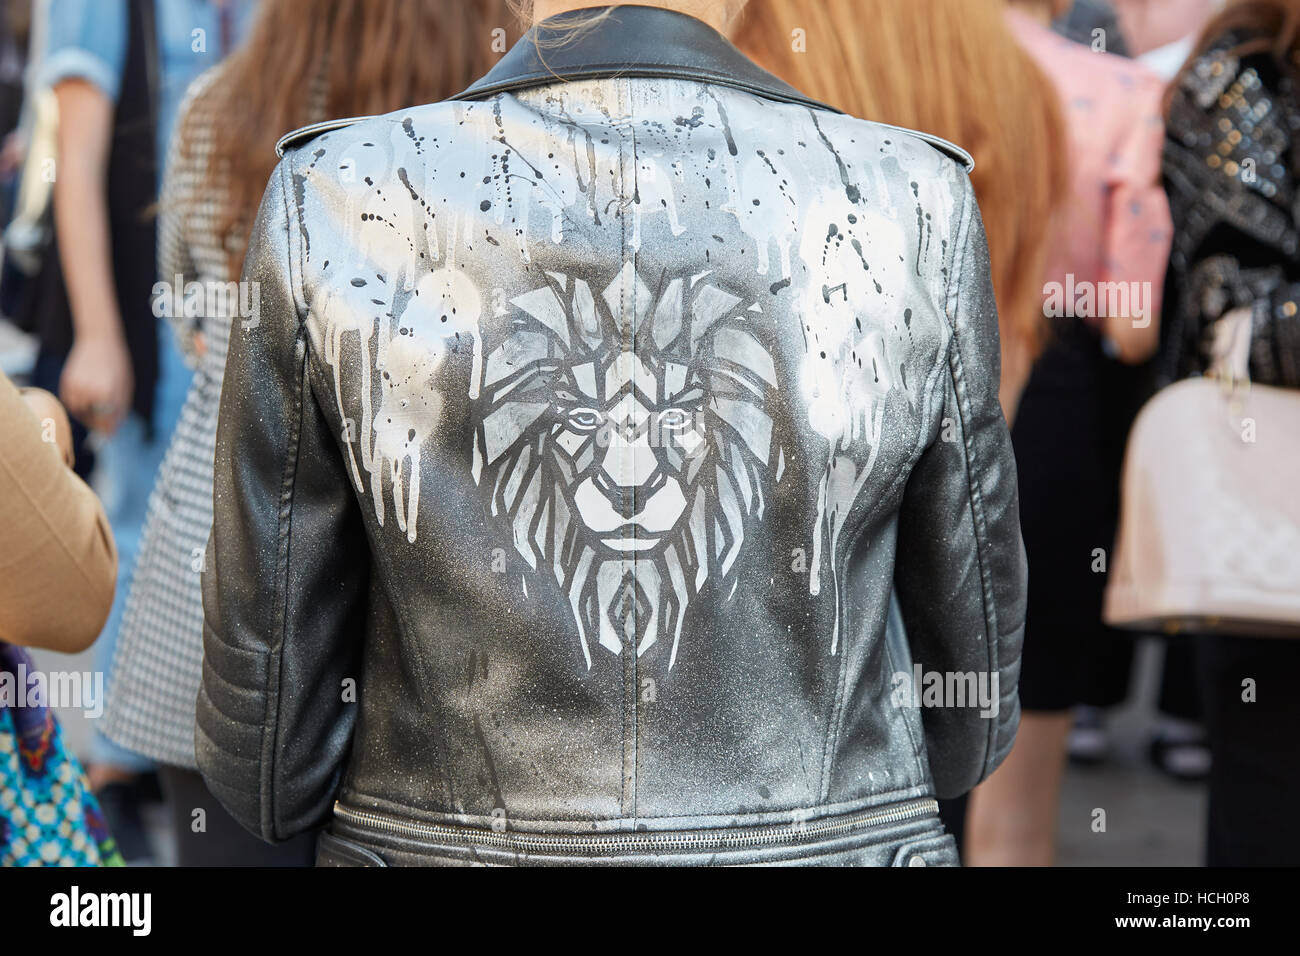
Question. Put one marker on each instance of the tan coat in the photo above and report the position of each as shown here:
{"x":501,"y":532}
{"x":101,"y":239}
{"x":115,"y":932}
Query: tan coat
{"x":58,"y":562}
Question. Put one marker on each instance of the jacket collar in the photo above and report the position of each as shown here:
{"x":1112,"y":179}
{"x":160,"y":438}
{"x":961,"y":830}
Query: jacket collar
{"x":632,"y":41}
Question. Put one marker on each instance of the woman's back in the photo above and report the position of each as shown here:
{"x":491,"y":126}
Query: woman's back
{"x":586,"y":426}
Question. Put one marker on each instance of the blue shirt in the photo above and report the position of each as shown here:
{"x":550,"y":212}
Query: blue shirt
{"x":87,"y":40}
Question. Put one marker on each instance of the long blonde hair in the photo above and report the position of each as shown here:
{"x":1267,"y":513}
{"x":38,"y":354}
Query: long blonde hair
{"x":952,"y":68}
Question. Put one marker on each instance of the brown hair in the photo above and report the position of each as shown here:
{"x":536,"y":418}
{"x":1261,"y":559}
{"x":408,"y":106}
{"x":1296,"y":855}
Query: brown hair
{"x":1266,"y":26}
{"x":310,"y":60}
{"x":952,"y":68}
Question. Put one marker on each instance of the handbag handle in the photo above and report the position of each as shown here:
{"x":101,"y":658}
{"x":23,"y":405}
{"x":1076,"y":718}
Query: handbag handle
{"x":1230,"y":351}
{"x":1230,"y":359}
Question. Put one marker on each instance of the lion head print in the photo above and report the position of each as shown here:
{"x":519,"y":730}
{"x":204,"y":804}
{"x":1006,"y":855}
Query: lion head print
{"x":623,"y":442}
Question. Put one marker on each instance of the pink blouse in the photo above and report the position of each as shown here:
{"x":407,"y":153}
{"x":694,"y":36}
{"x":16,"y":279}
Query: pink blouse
{"x":1115,"y":224}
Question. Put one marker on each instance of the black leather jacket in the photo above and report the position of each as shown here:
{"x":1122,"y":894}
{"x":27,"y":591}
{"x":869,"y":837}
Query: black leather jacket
{"x":564,"y":478}
{"x":1231,"y":170}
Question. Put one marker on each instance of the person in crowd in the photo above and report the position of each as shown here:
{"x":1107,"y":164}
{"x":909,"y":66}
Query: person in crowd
{"x":562,"y":488}
{"x":1161,"y":32}
{"x":58,"y":564}
{"x":118,"y":69}
{"x":1232,"y":171}
{"x":1000,"y":110}
{"x":1073,"y":418}
{"x":286,"y":75}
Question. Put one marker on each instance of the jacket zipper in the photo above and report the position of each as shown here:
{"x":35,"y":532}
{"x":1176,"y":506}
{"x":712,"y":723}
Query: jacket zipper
{"x":616,"y":842}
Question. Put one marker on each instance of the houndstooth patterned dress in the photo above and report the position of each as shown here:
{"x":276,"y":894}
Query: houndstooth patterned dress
{"x":156,"y":670}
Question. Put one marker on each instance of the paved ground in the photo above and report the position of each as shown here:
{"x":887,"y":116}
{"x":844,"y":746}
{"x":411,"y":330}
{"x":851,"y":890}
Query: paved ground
{"x":1150,"y":819}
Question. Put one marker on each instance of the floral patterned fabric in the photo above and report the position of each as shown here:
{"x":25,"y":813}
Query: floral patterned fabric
{"x":48,"y":816}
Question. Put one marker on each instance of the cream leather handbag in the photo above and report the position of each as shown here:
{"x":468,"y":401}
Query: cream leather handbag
{"x":1209,"y":532}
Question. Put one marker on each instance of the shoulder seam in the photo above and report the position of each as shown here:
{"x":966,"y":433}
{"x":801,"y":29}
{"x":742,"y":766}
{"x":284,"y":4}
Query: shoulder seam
{"x":293,"y":242}
{"x":960,"y":237}
{"x":303,"y":134}
{"x":948,"y":148}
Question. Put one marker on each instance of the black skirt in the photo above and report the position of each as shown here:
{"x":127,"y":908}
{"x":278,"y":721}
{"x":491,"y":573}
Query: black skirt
{"x":1069,"y":438}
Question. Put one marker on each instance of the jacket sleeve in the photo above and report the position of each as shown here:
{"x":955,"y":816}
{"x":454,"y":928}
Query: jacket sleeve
{"x":961,"y":570}
{"x":284,"y":586}
{"x":58,"y":562}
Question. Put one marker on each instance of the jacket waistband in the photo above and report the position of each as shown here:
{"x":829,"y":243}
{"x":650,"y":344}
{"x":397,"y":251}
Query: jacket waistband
{"x":361,"y":823}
